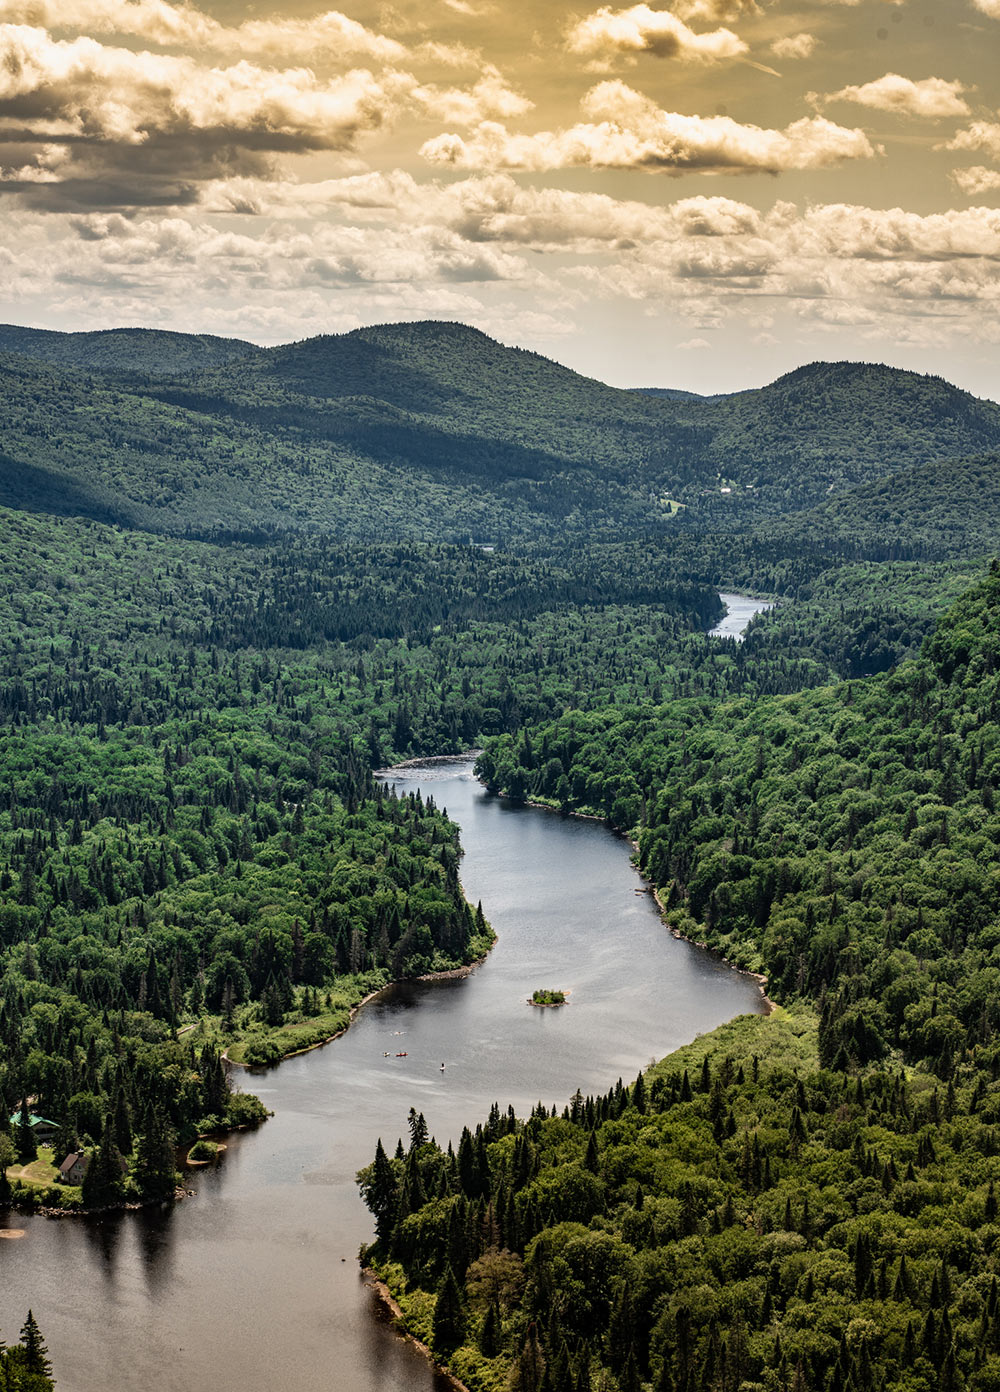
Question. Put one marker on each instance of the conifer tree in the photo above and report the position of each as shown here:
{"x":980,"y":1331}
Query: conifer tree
{"x":448,"y":1329}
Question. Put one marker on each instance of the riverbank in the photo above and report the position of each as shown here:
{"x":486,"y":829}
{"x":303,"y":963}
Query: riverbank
{"x":650,"y":888}
{"x":759,"y":977}
{"x":428,"y":761}
{"x":397,"y":1318}
{"x":560,"y":894}
{"x":449,"y":974}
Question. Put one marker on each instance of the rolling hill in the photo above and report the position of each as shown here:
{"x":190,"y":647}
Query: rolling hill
{"x":434,"y":430}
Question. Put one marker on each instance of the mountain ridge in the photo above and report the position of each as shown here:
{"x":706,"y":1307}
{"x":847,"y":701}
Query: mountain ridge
{"x":393,"y":430}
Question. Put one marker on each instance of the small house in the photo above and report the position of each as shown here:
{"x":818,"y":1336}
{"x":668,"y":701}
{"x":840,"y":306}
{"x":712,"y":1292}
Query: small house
{"x":74,"y":1167}
{"x":43,"y":1130}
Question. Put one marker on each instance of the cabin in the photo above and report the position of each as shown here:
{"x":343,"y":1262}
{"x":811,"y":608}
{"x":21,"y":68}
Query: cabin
{"x":74,"y":1167}
{"x":43,"y":1130}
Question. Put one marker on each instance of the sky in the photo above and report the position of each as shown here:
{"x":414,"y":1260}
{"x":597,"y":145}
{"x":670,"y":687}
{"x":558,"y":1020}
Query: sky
{"x":703,"y":195}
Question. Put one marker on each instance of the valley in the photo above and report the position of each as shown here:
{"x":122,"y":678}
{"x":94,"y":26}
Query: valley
{"x":239,"y":581}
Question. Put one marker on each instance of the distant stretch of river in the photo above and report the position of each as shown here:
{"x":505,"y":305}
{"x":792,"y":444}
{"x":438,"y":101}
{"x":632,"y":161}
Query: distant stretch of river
{"x":254,"y":1283}
{"x":740,"y":609}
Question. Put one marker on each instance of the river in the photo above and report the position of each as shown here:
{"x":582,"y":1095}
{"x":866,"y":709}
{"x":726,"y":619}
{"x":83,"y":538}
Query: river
{"x":740,"y":609}
{"x":253,"y":1284}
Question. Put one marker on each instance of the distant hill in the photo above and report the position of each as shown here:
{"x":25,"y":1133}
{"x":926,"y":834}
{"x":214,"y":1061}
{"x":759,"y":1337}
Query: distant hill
{"x":129,"y":351}
{"x":949,"y":507}
{"x":433,"y":380}
{"x":829,"y":427}
{"x":436,"y":430}
{"x":673,"y":393}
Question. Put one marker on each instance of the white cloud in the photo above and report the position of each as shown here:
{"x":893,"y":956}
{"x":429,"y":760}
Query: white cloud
{"x":490,"y":98}
{"x":153,"y":20}
{"x":147,"y":128}
{"x":980,"y":135}
{"x":608,"y":34}
{"x":714,"y":11}
{"x":977,"y":180}
{"x":794,"y":46}
{"x":379,"y":246}
{"x":626,"y":130}
{"x":932,"y":97}
{"x":113,"y":94}
{"x":156,"y":21}
{"x":988,"y":7}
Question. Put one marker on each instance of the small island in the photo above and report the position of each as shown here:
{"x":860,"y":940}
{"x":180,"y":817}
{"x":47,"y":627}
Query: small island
{"x":545,"y":997}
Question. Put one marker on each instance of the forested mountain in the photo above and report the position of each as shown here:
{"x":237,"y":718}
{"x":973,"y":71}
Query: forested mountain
{"x":829,"y":427}
{"x":950,"y":507}
{"x":434,"y":430}
{"x":123,"y":352}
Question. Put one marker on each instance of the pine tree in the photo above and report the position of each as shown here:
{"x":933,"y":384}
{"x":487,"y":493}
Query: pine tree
{"x":155,"y":1169}
{"x":36,"y":1355}
{"x":448,"y":1329}
{"x":489,"y":1333}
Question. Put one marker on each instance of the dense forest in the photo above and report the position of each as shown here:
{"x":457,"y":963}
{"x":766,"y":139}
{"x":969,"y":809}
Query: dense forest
{"x":238,"y":582}
{"x":435,"y":432}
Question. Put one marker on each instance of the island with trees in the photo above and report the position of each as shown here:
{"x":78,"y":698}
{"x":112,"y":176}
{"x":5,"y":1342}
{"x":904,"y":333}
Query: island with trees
{"x":546,"y":996}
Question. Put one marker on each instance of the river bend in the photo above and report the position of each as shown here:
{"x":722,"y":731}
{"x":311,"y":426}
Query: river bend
{"x":254,"y":1284}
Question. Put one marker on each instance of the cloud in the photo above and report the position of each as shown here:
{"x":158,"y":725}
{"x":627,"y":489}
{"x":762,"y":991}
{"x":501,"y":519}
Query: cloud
{"x":977,"y":180}
{"x":714,"y":11}
{"x":82,"y":89}
{"x":626,"y":130}
{"x":608,"y":34}
{"x":794,"y":46}
{"x":382,"y":245}
{"x":115,"y":127}
{"x":152,"y":20}
{"x":489,"y":98}
{"x":155,"y":21}
{"x":932,"y":97}
{"x":988,"y":7}
{"x":980,"y":135}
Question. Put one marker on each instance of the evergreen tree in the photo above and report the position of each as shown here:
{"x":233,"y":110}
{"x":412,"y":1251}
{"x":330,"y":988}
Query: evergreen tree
{"x":448,"y":1329}
{"x":36,"y":1355}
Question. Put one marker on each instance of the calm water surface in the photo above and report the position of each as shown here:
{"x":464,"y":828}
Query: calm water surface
{"x":253,"y":1284}
{"x":740,"y":609}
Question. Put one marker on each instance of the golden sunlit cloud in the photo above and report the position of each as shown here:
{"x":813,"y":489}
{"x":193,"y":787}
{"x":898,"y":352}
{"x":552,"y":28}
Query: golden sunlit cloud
{"x":794,"y":46}
{"x":977,"y":180}
{"x":113,"y":126}
{"x":932,"y":97}
{"x":327,"y":38}
{"x":627,"y":130}
{"x":79,"y":88}
{"x":980,"y":135}
{"x":279,"y":171}
{"x":608,"y":34}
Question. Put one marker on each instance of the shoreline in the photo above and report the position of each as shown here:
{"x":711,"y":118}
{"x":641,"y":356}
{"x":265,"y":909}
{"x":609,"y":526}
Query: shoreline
{"x":450,"y":974}
{"x":759,"y":977}
{"x":649,"y":888}
{"x":430,"y":761}
{"x":387,"y":1300}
